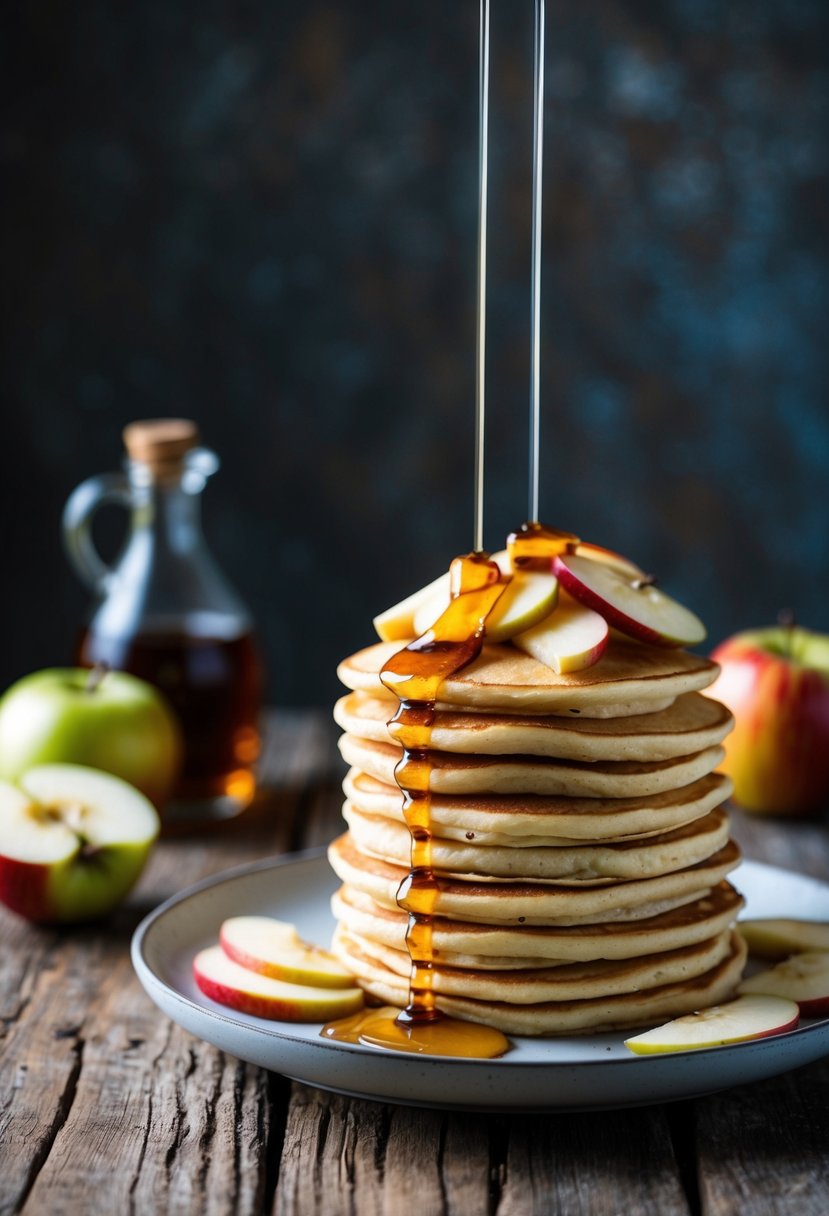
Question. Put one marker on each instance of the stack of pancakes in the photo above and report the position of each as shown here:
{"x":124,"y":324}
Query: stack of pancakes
{"x":579,"y":845}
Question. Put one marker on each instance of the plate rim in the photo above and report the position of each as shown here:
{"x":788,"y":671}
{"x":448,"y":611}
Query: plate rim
{"x":147,"y":974}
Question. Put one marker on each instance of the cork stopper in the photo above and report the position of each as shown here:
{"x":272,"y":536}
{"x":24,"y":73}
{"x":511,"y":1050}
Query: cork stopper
{"x":161,"y":443}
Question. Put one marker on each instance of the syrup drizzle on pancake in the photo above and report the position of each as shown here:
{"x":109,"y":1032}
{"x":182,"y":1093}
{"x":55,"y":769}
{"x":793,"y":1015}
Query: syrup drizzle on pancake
{"x":415,"y":675}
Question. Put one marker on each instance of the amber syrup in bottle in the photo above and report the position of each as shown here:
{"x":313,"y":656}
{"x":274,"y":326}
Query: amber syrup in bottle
{"x":214,"y":685}
{"x":168,"y":615}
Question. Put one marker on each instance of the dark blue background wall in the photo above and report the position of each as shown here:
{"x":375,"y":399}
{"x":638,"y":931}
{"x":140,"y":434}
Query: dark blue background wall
{"x":263,"y":216}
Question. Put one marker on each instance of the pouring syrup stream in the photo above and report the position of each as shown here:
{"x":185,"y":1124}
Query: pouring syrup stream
{"x":416,"y":672}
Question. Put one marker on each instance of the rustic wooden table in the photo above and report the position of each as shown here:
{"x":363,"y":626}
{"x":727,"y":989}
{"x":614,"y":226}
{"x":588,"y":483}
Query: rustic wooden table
{"x":107,"y":1106}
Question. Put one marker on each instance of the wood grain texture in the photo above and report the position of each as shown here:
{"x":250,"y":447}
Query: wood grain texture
{"x":106,"y":1105}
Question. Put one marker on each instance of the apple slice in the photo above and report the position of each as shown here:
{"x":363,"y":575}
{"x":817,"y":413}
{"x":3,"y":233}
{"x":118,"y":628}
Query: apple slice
{"x":229,"y":984}
{"x":632,"y":605}
{"x":747,"y":1017}
{"x":597,"y":553}
{"x":803,"y":978}
{"x":273,"y":947}
{"x":73,"y":841}
{"x":396,"y":624}
{"x":776,"y":939}
{"x":572,"y":638}
{"x":528,"y":598}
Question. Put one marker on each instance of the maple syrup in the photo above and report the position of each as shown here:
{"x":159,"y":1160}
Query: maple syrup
{"x":166,"y":614}
{"x":416,"y":672}
{"x":214,"y":685}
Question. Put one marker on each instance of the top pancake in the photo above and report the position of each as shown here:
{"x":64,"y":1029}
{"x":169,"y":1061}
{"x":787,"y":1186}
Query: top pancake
{"x":629,"y":678}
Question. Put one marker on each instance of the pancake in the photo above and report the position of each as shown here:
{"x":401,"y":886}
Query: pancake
{"x":691,"y":724}
{"x":534,"y":820}
{"x":629,"y":679}
{"x":609,"y":1011}
{"x":529,"y":903}
{"x":568,"y":982}
{"x":456,"y":774}
{"x":570,"y":847}
{"x":584,"y":863}
{"x":694,"y":921}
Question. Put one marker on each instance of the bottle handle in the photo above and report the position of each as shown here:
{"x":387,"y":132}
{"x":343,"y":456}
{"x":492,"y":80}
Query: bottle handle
{"x":110,"y":488}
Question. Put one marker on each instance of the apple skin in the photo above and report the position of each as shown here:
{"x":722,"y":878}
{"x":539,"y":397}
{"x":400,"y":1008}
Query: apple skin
{"x":49,"y":875}
{"x":227,"y":983}
{"x":778,"y":753}
{"x":274,"y":948}
{"x":122,"y":726}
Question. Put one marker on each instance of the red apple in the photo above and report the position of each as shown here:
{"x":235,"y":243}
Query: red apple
{"x":776,"y":683}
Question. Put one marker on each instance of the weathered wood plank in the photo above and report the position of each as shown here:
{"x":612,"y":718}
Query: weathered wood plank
{"x":158,"y":1122}
{"x":598,"y":1164}
{"x":42,"y":1061}
{"x":99,"y":1093}
{"x":764,"y":1149}
{"x":345,"y":1157}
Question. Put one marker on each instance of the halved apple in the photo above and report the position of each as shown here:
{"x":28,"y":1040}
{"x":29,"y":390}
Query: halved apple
{"x":73,"y":841}
{"x":572,"y":638}
{"x":633,"y":605}
{"x":226,"y":982}
{"x":273,"y":947}
{"x":803,"y":978}
{"x":746,"y":1017}
{"x":776,"y":939}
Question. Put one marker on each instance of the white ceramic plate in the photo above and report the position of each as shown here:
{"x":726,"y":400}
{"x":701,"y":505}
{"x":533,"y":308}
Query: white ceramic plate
{"x":538,"y":1074}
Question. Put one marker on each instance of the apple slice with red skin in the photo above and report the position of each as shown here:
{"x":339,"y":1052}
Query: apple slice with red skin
{"x":632,"y":605}
{"x":227,"y":983}
{"x":597,"y":553}
{"x":803,"y":978}
{"x":273,"y":947}
{"x":572,"y":638}
{"x":778,"y":939}
{"x":746,"y":1017}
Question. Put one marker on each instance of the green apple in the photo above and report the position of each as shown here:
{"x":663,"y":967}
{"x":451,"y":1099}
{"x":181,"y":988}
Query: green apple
{"x":73,"y":841}
{"x":114,"y":722}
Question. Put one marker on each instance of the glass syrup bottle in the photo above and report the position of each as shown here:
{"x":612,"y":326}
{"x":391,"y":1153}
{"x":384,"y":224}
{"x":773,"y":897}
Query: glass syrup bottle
{"x":166,"y":613}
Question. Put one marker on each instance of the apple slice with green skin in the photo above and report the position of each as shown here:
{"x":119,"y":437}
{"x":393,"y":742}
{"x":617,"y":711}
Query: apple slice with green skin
{"x":73,"y":841}
{"x":747,"y":1017}
{"x":572,"y":638}
{"x":778,"y":939}
{"x":274,"y":948}
{"x":633,"y":605}
{"x":527,"y":599}
{"x":226,"y":982}
{"x":803,"y":978}
{"x":396,"y":624}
